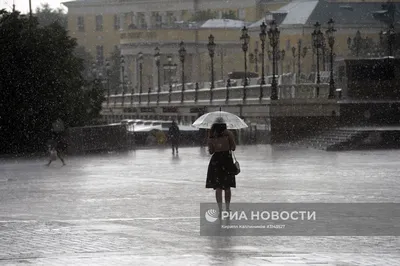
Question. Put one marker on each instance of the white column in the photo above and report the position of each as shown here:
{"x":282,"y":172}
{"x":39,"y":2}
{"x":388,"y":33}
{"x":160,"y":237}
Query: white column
{"x":134,"y":18}
{"x":163,"y":17}
{"x":121,"y":21}
{"x":147,"y":17}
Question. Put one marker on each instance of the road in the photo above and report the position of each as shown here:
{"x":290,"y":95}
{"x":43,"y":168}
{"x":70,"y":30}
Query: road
{"x":142,"y":207}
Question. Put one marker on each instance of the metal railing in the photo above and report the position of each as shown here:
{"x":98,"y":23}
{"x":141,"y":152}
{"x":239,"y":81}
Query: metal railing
{"x":222,"y":95}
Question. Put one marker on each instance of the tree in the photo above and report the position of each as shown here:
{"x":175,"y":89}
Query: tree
{"x":88,"y":62}
{"x":115,"y":70}
{"x":46,"y":16}
{"x":204,"y":15}
{"x":41,"y":82}
{"x":229,"y":15}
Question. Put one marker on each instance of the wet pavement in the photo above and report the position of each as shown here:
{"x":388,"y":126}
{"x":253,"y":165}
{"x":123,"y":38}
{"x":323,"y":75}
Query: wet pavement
{"x":142,"y":207}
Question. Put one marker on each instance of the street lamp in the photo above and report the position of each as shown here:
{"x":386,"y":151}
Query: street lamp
{"x":245,"y":38}
{"x":211,"y":50}
{"x":140,"y":61}
{"x":273,"y":35}
{"x":122,"y":77}
{"x":390,"y":35}
{"x":157,"y":59}
{"x":331,"y":41}
{"x":317,"y":43}
{"x":108,"y":80}
{"x":169,"y":66}
{"x":263,"y":36}
{"x":182,"y":54}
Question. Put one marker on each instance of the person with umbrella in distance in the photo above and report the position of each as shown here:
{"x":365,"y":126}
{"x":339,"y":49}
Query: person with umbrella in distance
{"x":174,"y":135}
{"x":221,"y":144}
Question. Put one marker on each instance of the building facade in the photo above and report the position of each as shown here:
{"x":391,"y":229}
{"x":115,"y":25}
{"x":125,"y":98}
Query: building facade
{"x":140,"y":26}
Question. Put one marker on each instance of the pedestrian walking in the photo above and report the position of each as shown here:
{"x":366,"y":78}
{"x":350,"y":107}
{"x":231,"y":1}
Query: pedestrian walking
{"x":53,"y":154}
{"x":174,"y":135}
{"x":221,"y":169}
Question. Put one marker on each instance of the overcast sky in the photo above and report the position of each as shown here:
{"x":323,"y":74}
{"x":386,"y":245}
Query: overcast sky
{"x":23,"y":5}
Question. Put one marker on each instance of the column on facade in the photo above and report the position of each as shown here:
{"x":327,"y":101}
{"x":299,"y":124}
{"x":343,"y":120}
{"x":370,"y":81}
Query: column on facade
{"x":147,"y":17}
{"x":163,"y":18}
{"x":122,"y":21}
{"x":134,"y":19}
{"x":155,"y":75}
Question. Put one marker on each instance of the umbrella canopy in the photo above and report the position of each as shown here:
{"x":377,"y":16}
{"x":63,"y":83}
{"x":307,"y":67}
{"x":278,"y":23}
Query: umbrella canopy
{"x":232,"y":121}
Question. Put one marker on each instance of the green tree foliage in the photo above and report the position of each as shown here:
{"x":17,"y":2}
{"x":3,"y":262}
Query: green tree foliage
{"x":46,"y":16}
{"x":204,"y":15}
{"x":40,"y":82}
{"x":229,"y":15}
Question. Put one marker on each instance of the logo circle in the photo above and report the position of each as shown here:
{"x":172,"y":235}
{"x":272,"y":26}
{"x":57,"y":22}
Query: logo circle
{"x":211,"y":215}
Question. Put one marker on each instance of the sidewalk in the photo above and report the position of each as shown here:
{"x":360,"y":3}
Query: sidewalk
{"x":142,"y":207}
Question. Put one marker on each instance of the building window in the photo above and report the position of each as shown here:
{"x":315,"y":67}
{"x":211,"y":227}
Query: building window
{"x":99,"y":22}
{"x":117,"y":24}
{"x":99,"y":54}
{"x":81,"y":23}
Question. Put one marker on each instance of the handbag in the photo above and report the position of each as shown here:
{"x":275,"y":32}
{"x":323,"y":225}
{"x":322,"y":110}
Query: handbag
{"x":236,"y":164}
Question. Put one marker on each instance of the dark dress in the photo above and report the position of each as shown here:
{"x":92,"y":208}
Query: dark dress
{"x":220,"y":171}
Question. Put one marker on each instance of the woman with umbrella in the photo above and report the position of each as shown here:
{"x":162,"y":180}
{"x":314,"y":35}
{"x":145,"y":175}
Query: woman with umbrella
{"x":221,"y":169}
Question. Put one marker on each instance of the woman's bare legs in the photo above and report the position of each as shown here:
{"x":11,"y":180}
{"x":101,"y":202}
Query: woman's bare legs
{"x":228,"y":195}
{"x":218,"y":197}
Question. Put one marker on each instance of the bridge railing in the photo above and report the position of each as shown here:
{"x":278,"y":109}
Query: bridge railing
{"x":228,"y":95}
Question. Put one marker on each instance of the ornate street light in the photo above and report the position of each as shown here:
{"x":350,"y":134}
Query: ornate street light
{"x":317,"y":44}
{"x":211,"y":50}
{"x":140,"y":61}
{"x":273,"y":35}
{"x":245,"y":38}
{"x":182,"y":54}
{"x":390,"y":35}
{"x":263,"y":36}
{"x":122,"y":77}
{"x":157,"y":59}
{"x":108,"y":80}
{"x":331,"y":41}
{"x":169,"y":66}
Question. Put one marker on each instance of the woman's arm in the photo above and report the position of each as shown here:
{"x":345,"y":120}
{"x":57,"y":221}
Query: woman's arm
{"x":231,"y":139}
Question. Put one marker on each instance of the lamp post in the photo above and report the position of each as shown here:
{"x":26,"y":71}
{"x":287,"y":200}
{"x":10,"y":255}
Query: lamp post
{"x":317,"y":43}
{"x":331,"y":41}
{"x":122,"y":79}
{"x":273,"y":35}
{"x":294,"y":59}
{"x":108,"y":80}
{"x":157,"y":59}
{"x":169,"y":66}
{"x":245,"y":38}
{"x":140,"y":61}
{"x":390,"y":38}
{"x":211,"y":50}
{"x":182,"y":54}
{"x":263,"y":36}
